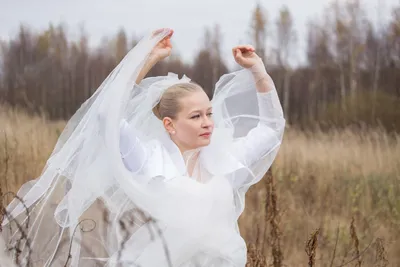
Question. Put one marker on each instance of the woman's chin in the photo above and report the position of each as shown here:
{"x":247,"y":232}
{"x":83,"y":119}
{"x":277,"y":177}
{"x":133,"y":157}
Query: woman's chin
{"x":204,"y":142}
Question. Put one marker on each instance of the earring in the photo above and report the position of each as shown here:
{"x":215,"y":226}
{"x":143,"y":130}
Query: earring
{"x":173,"y":132}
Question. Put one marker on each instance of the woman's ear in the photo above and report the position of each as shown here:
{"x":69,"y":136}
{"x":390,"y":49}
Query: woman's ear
{"x":168,"y":125}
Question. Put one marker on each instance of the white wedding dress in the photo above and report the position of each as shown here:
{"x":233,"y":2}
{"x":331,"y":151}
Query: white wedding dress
{"x":116,"y":173}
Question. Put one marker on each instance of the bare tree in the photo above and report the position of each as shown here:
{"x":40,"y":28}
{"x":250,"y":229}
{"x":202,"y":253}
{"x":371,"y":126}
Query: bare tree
{"x":259,"y":22}
{"x":121,"y":45}
{"x":208,"y":65}
{"x":349,"y":32}
{"x":320,"y":61}
{"x":286,"y":40}
{"x":46,"y":72}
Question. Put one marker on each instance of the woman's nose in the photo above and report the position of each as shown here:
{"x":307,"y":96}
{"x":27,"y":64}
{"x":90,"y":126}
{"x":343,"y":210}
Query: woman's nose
{"x":207,"y":122}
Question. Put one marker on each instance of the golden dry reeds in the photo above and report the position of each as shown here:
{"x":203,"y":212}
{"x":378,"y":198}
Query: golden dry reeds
{"x":320,"y":180}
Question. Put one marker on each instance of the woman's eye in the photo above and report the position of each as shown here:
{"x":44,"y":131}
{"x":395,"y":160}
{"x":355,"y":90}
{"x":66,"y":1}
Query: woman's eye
{"x":209,"y":114}
{"x":195,"y":116}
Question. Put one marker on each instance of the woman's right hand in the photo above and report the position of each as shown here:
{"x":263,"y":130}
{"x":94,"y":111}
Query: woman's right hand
{"x":164,"y":47}
{"x":246,"y":56}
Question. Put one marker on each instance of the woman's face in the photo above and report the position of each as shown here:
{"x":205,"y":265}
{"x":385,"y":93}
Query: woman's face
{"x":193,"y":124}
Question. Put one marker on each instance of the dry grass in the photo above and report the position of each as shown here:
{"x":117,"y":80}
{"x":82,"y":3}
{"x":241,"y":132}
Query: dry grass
{"x":25,"y":144}
{"x":320,"y":181}
{"x":323,"y":181}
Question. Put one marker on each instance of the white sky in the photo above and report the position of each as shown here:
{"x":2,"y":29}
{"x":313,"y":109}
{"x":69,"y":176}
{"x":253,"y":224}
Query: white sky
{"x":187,"y":17}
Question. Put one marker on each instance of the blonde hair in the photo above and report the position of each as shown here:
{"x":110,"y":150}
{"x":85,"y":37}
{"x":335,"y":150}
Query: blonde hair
{"x":169,"y":103}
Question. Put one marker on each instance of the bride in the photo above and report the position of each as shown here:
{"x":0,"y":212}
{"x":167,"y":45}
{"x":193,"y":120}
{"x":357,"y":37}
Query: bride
{"x":150,"y":172}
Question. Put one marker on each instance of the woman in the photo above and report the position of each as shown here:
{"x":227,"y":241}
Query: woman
{"x":152,"y":171}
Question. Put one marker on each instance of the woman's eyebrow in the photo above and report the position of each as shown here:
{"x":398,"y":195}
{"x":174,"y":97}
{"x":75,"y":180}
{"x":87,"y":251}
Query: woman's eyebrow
{"x":198,"y":110}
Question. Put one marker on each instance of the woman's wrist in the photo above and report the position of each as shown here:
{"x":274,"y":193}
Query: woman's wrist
{"x":258,"y":71}
{"x":261,"y":78}
{"x":152,"y":60}
{"x":148,"y":65}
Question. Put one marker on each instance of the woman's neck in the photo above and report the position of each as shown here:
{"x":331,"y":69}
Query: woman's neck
{"x":185,"y":151}
{"x":190,"y":160}
{"x":190,"y":157}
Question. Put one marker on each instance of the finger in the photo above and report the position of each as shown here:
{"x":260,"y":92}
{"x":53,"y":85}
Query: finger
{"x":238,"y":51}
{"x":166,"y":32}
{"x":241,"y":47}
{"x":237,"y":47}
{"x":234,"y":51}
{"x":165,"y":40}
{"x":238,"y":55}
{"x":245,"y":48}
{"x":158,"y":31}
{"x":250,"y":48}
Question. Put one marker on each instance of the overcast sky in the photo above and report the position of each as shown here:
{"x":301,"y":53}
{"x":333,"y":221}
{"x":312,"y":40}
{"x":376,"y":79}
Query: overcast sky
{"x":187,"y":17}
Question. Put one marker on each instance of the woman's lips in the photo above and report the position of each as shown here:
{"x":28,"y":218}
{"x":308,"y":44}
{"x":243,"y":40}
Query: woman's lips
{"x":206,"y":134}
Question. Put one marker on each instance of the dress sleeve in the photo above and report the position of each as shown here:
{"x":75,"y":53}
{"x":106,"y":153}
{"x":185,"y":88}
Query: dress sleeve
{"x":266,"y":136}
{"x":133,"y":152}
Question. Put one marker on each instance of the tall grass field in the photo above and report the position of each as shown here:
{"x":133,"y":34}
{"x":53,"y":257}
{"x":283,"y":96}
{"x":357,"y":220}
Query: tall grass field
{"x":330,"y":198}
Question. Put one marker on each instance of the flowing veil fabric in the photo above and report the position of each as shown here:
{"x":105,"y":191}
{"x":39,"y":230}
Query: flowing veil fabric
{"x":87,"y":209}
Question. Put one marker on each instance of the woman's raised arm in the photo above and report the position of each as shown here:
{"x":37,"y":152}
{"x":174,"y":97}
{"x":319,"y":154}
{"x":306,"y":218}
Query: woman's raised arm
{"x":264,"y":139}
{"x":160,"y":51}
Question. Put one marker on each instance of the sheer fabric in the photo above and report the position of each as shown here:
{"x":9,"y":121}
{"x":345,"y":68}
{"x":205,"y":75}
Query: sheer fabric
{"x":116,"y":190}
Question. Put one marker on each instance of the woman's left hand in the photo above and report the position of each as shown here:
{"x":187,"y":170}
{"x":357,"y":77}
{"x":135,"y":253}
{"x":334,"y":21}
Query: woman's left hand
{"x":245,"y":56}
{"x":164,"y":47}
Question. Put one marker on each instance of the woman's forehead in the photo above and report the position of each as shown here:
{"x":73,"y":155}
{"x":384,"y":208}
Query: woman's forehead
{"x":196,"y":100}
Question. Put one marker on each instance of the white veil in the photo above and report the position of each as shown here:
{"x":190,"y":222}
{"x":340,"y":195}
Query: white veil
{"x":86,"y":208}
